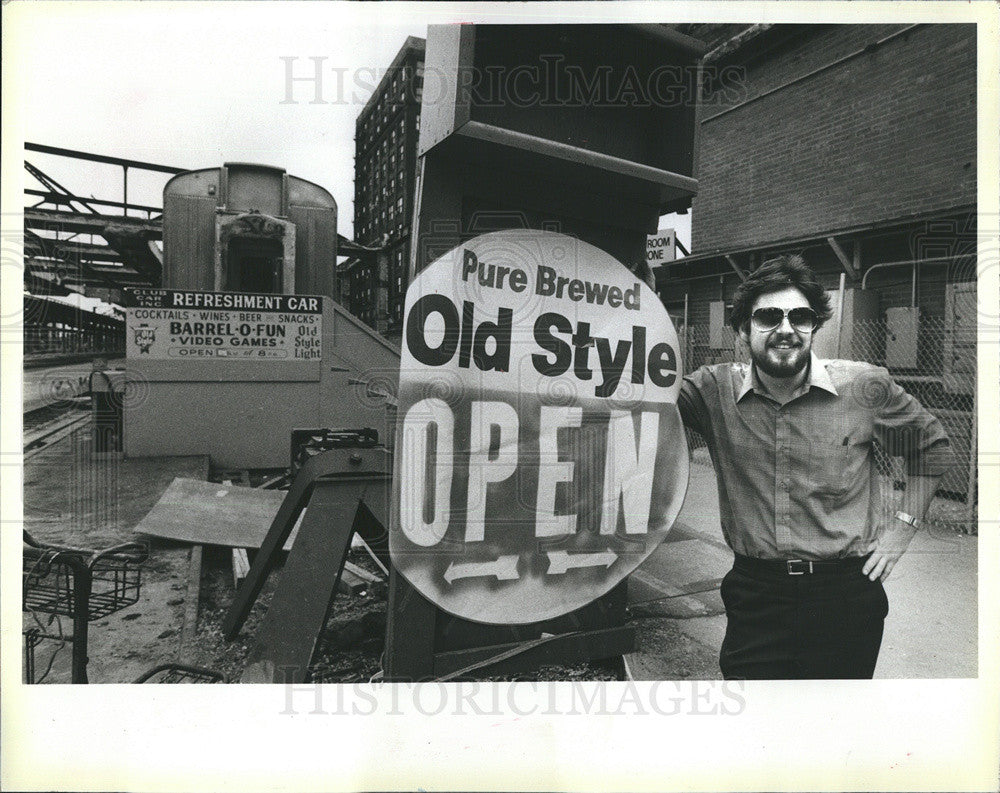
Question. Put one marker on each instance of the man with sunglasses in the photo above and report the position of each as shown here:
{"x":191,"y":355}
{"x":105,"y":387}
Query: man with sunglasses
{"x":791,"y":437}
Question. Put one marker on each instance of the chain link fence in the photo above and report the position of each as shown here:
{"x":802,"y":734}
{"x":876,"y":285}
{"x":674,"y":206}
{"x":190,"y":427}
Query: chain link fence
{"x":925,"y":356}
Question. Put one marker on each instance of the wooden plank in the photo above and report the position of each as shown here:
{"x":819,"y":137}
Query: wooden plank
{"x":267,"y":484}
{"x":290,"y":629}
{"x":189,"y":627}
{"x":360,"y":572}
{"x":571,"y":648}
{"x":351,"y":583}
{"x":241,"y":566}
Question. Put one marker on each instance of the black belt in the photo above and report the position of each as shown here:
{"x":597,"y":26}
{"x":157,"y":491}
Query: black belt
{"x":786,"y":567}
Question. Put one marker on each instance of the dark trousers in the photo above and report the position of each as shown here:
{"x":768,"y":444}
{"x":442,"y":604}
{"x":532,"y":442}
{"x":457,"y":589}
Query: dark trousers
{"x":824,"y":625}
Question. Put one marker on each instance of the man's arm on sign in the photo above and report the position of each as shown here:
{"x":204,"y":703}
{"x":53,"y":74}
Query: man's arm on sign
{"x":895,"y":537}
{"x":691,"y":404}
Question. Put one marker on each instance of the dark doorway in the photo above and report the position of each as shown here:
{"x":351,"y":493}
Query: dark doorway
{"x":254,"y":264}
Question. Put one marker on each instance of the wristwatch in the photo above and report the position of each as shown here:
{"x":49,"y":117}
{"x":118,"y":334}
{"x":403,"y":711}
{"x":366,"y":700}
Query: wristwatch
{"x":908,"y":518}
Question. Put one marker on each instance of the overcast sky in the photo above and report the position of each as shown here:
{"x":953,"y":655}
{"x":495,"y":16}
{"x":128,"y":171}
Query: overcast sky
{"x":194,"y":85}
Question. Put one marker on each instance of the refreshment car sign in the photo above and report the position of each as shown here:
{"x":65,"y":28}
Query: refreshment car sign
{"x":172,"y":324}
{"x":539,"y":456}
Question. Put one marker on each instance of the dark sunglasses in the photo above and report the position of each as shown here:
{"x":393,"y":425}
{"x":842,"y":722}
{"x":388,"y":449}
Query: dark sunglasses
{"x":802,"y":319}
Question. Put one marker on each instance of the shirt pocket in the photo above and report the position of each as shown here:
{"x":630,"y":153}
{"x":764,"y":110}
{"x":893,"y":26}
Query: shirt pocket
{"x":829,"y":457}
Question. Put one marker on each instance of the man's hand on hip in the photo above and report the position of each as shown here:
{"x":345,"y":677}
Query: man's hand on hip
{"x":880,"y":564}
{"x":891,"y":545}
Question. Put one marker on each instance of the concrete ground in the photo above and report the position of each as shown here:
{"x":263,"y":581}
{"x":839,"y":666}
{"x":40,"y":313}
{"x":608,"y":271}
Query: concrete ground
{"x":73,"y":498}
{"x":931,"y":630}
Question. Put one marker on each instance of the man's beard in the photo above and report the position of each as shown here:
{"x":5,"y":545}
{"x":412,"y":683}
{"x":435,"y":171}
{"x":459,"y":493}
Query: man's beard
{"x":786,"y":364}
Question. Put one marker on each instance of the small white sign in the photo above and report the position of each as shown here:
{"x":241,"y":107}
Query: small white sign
{"x":661,"y":247}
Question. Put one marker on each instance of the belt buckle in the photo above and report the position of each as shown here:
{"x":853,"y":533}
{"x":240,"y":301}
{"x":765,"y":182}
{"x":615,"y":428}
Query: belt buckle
{"x":799,"y":566}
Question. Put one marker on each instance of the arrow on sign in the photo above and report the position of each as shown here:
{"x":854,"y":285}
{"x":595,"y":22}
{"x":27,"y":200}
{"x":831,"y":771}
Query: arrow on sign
{"x":504,"y":568}
{"x":561,"y":561}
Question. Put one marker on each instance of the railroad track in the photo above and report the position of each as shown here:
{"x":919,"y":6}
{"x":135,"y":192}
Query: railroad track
{"x":50,"y":424}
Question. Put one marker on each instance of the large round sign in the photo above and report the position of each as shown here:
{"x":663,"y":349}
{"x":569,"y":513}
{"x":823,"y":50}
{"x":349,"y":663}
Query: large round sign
{"x":539,"y":456}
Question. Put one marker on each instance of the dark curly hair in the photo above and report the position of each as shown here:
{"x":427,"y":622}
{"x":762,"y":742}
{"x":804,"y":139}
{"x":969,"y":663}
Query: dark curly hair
{"x":773,"y":276}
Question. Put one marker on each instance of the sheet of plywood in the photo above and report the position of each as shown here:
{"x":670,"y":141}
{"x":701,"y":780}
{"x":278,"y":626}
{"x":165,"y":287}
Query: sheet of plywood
{"x":207,"y":513}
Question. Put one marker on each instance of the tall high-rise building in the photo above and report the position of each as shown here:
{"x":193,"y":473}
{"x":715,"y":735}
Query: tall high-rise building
{"x":385,"y":167}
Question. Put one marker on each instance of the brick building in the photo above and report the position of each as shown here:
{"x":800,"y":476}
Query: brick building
{"x":855,"y":146}
{"x":385,"y":166}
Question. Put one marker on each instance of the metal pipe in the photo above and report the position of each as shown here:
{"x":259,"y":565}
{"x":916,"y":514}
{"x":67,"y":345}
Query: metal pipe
{"x":686,"y":332}
{"x":82,"y":583}
{"x":905,"y":262}
{"x":86,"y":155}
{"x":840,"y":318}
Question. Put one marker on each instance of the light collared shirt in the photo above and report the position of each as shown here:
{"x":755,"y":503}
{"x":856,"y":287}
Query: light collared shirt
{"x":796,"y":481}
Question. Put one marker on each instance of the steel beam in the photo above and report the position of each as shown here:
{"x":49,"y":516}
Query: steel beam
{"x":846,"y":263}
{"x":89,"y":224}
{"x":39,"y":265}
{"x":346,"y":247}
{"x":41,"y":246}
{"x":66,"y":200}
{"x":736,"y":268}
{"x":86,"y":155}
{"x":40,"y":283}
{"x":52,"y":184}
